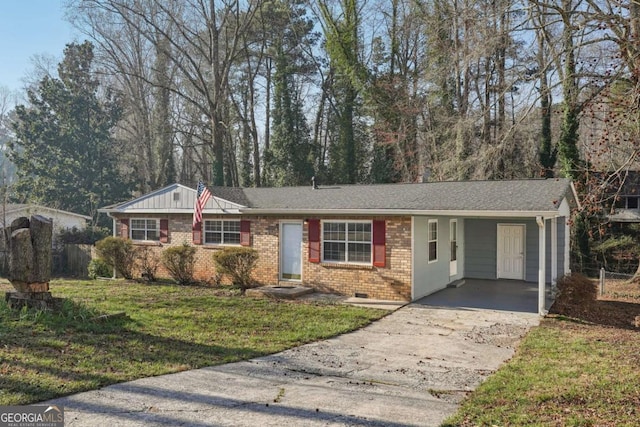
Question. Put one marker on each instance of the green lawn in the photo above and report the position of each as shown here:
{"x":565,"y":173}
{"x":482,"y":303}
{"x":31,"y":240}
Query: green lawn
{"x":169,"y":328}
{"x":565,"y":373}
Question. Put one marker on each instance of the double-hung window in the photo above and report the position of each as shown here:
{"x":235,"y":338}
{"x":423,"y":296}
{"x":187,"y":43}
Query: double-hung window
{"x":222,"y":232}
{"x":145,"y":229}
{"x":346,"y":241}
{"x":432,"y":237}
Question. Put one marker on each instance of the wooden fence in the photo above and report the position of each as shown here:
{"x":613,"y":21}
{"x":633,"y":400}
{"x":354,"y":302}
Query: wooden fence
{"x":75,"y":259}
{"x":69,"y":260}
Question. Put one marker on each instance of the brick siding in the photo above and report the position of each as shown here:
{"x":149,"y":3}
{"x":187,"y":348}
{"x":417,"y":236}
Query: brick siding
{"x":392,"y":282}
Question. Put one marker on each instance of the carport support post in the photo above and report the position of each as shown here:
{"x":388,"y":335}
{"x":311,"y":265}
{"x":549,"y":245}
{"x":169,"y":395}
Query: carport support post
{"x":541,"y":265}
{"x":554,"y":254}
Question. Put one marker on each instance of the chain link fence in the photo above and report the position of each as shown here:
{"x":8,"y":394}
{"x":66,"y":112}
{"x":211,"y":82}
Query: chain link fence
{"x":607,"y":279}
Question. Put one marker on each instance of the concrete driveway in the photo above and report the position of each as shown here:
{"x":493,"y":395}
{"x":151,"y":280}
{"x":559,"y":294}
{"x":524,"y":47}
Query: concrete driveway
{"x":411,"y":368}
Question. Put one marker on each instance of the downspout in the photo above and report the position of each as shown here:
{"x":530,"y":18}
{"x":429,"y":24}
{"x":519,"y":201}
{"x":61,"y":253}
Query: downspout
{"x":541,"y":265}
{"x":114,"y":235}
{"x":567,"y":246}
{"x":413,"y":258}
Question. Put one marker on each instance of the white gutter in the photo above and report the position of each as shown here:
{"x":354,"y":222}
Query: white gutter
{"x":402,"y":212}
{"x":575,"y":195}
{"x":114,"y":235}
{"x":31,"y":207}
{"x":168,"y":211}
{"x":359,"y":212}
{"x":413,"y":258}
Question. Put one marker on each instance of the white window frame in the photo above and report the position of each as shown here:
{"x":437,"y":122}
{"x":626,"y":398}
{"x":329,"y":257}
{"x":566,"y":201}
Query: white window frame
{"x":222,"y":232}
{"x":430,"y":241}
{"x":346,"y":241}
{"x":146,"y":229}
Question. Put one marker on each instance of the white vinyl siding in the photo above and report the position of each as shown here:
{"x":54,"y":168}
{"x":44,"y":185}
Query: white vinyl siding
{"x":145,"y":229}
{"x":222,"y":232}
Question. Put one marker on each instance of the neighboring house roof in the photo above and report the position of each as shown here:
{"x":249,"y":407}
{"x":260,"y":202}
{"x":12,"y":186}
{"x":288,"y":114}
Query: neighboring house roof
{"x":625,"y":215}
{"x":525,"y":197}
{"x":30,"y":208}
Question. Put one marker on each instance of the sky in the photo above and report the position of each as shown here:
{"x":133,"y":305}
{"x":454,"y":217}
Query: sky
{"x":28,"y":28}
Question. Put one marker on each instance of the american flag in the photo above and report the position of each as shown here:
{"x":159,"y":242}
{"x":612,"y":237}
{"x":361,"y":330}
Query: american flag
{"x":202,"y":196}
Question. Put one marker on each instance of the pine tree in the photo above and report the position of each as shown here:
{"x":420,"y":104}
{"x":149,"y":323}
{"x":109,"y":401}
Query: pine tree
{"x":291,"y":151}
{"x":290,"y":158}
{"x":63,"y":148}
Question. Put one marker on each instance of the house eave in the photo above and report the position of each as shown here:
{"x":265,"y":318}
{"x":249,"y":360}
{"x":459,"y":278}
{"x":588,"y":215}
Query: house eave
{"x":169,"y":211}
{"x":403,"y":212}
{"x":32,"y":207}
{"x":343,"y":212}
{"x":574,"y":193}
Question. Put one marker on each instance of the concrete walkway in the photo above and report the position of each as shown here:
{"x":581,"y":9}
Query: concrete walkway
{"x":411,"y":368}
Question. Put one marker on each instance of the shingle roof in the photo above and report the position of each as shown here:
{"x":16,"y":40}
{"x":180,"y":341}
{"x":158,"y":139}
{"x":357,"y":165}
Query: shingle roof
{"x":529,"y":196}
{"x":30,"y":207}
{"x":517,"y":195}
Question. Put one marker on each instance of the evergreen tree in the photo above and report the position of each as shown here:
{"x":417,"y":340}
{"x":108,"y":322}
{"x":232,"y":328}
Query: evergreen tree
{"x":291,"y":150}
{"x":343,"y":48}
{"x":63,"y":148}
{"x":290,"y":158}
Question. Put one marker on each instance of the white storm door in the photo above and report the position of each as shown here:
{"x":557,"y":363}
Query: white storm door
{"x":453,"y":245}
{"x":510,"y":255}
{"x":291,"y":250}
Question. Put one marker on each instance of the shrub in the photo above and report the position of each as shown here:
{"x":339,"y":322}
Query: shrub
{"x":237,"y":263}
{"x":576,"y":295}
{"x":99,"y":268}
{"x":85,"y":236}
{"x":179,"y":262}
{"x":148,"y":263}
{"x":577,"y":289}
{"x":118,"y":253}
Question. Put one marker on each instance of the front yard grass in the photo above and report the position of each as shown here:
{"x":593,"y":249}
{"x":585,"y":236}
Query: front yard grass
{"x":168,"y":329}
{"x":581,"y":370}
{"x":565,"y":373}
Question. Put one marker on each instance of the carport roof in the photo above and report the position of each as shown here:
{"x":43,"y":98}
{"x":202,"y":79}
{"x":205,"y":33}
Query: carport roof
{"x":526,"y":197}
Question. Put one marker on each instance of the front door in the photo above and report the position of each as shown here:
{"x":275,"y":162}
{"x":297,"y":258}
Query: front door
{"x":291,"y":251}
{"x":510,"y":255}
{"x":453,"y":245}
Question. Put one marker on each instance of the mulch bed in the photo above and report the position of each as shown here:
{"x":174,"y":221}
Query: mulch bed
{"x":578,"y":298}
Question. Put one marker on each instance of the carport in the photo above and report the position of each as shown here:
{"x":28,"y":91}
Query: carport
{"x":509,"y":245}
{"x":504,"y":295}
